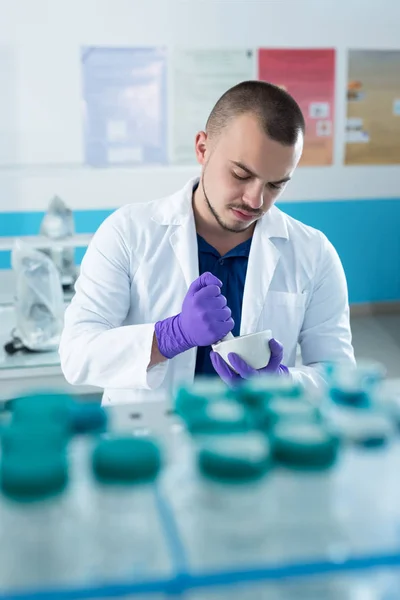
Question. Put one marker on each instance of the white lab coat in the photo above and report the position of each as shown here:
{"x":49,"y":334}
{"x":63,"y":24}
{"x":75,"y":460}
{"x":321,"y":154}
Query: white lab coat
{"x":138,"y":268}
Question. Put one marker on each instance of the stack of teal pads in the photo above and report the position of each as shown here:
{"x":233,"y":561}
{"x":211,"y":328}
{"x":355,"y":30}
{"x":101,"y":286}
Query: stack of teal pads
{"x":233,"y":439}
{"x":36,"y":439}
{"x":296,"y":432}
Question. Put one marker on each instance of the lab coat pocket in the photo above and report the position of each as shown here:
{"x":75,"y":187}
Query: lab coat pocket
{"x":283,"y":313}
{"x":288,"y":299}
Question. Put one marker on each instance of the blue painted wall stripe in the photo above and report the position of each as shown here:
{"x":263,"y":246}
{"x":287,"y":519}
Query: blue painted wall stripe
{"x":366,"y":234}
{"x":28,"y":223}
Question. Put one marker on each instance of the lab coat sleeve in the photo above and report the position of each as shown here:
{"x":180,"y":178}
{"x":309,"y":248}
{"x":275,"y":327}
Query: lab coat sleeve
{"x":95,"y":348}
{"x":325,"y":334}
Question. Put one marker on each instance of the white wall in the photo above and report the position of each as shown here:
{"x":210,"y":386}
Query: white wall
{"x":41,"y":146}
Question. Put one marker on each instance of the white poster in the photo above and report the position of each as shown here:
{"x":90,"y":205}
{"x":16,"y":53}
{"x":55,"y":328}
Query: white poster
{"x":200,"y":77}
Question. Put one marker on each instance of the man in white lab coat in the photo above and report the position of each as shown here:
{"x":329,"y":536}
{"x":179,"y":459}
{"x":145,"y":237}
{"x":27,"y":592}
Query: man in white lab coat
{"x":161,"y":281}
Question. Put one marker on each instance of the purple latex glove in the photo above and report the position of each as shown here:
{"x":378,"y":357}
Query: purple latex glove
{"x":244,"y":371}
{"x":204,"y":320}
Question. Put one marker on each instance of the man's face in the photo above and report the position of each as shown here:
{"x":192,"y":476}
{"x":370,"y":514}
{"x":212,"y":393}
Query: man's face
{"x":244,"y":172}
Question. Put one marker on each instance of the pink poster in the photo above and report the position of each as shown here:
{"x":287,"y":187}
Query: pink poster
{"x":309,"y":76}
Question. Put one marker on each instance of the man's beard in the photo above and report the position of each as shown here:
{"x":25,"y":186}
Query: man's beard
{"x":221,"y":223}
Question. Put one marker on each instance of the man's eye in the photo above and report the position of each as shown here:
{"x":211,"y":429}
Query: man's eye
{"x":236,"y":176}
{"x":273,"y":186}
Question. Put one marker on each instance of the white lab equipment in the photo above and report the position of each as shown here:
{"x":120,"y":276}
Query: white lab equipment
{"x":37,"y":517}
{"x":138,"y":268}
{"x":58,"y":225}
{"x":127,"y":538}
{"x":220,"y":494}
{"x":39,"y":302}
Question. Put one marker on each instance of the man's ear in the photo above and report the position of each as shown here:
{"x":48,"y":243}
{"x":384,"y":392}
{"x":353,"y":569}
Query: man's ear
{"x":201,"y":147}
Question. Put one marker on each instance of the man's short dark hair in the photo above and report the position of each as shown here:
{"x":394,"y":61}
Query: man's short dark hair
{"x":278,"y":113}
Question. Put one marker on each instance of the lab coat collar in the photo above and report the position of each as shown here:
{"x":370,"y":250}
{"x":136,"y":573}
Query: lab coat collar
{"x":175,"y":209}
{"x":273,"y":224}
{"x":263,"y":260}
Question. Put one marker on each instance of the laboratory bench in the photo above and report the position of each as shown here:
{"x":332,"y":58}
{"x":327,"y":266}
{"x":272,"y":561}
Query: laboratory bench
{"x":25,"y":372}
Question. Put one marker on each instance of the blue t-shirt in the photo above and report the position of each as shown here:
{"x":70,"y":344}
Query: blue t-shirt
{"x":231,"y":270}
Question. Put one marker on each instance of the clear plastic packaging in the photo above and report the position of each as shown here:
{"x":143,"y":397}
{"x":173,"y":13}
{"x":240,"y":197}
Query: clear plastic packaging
{"x":39,"y":302}
{"x":57,"y":225}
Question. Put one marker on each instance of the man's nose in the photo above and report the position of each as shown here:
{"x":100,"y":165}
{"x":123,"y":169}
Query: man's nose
{"x":254,"y":196}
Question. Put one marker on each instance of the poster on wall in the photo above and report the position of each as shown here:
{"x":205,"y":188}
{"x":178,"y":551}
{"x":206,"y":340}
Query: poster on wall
{"x":200,"y":77}
{"x":124,"y":101}
{"x":309,"y":76}
{"x":373,"y":108}
{"x":9,"y":138}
